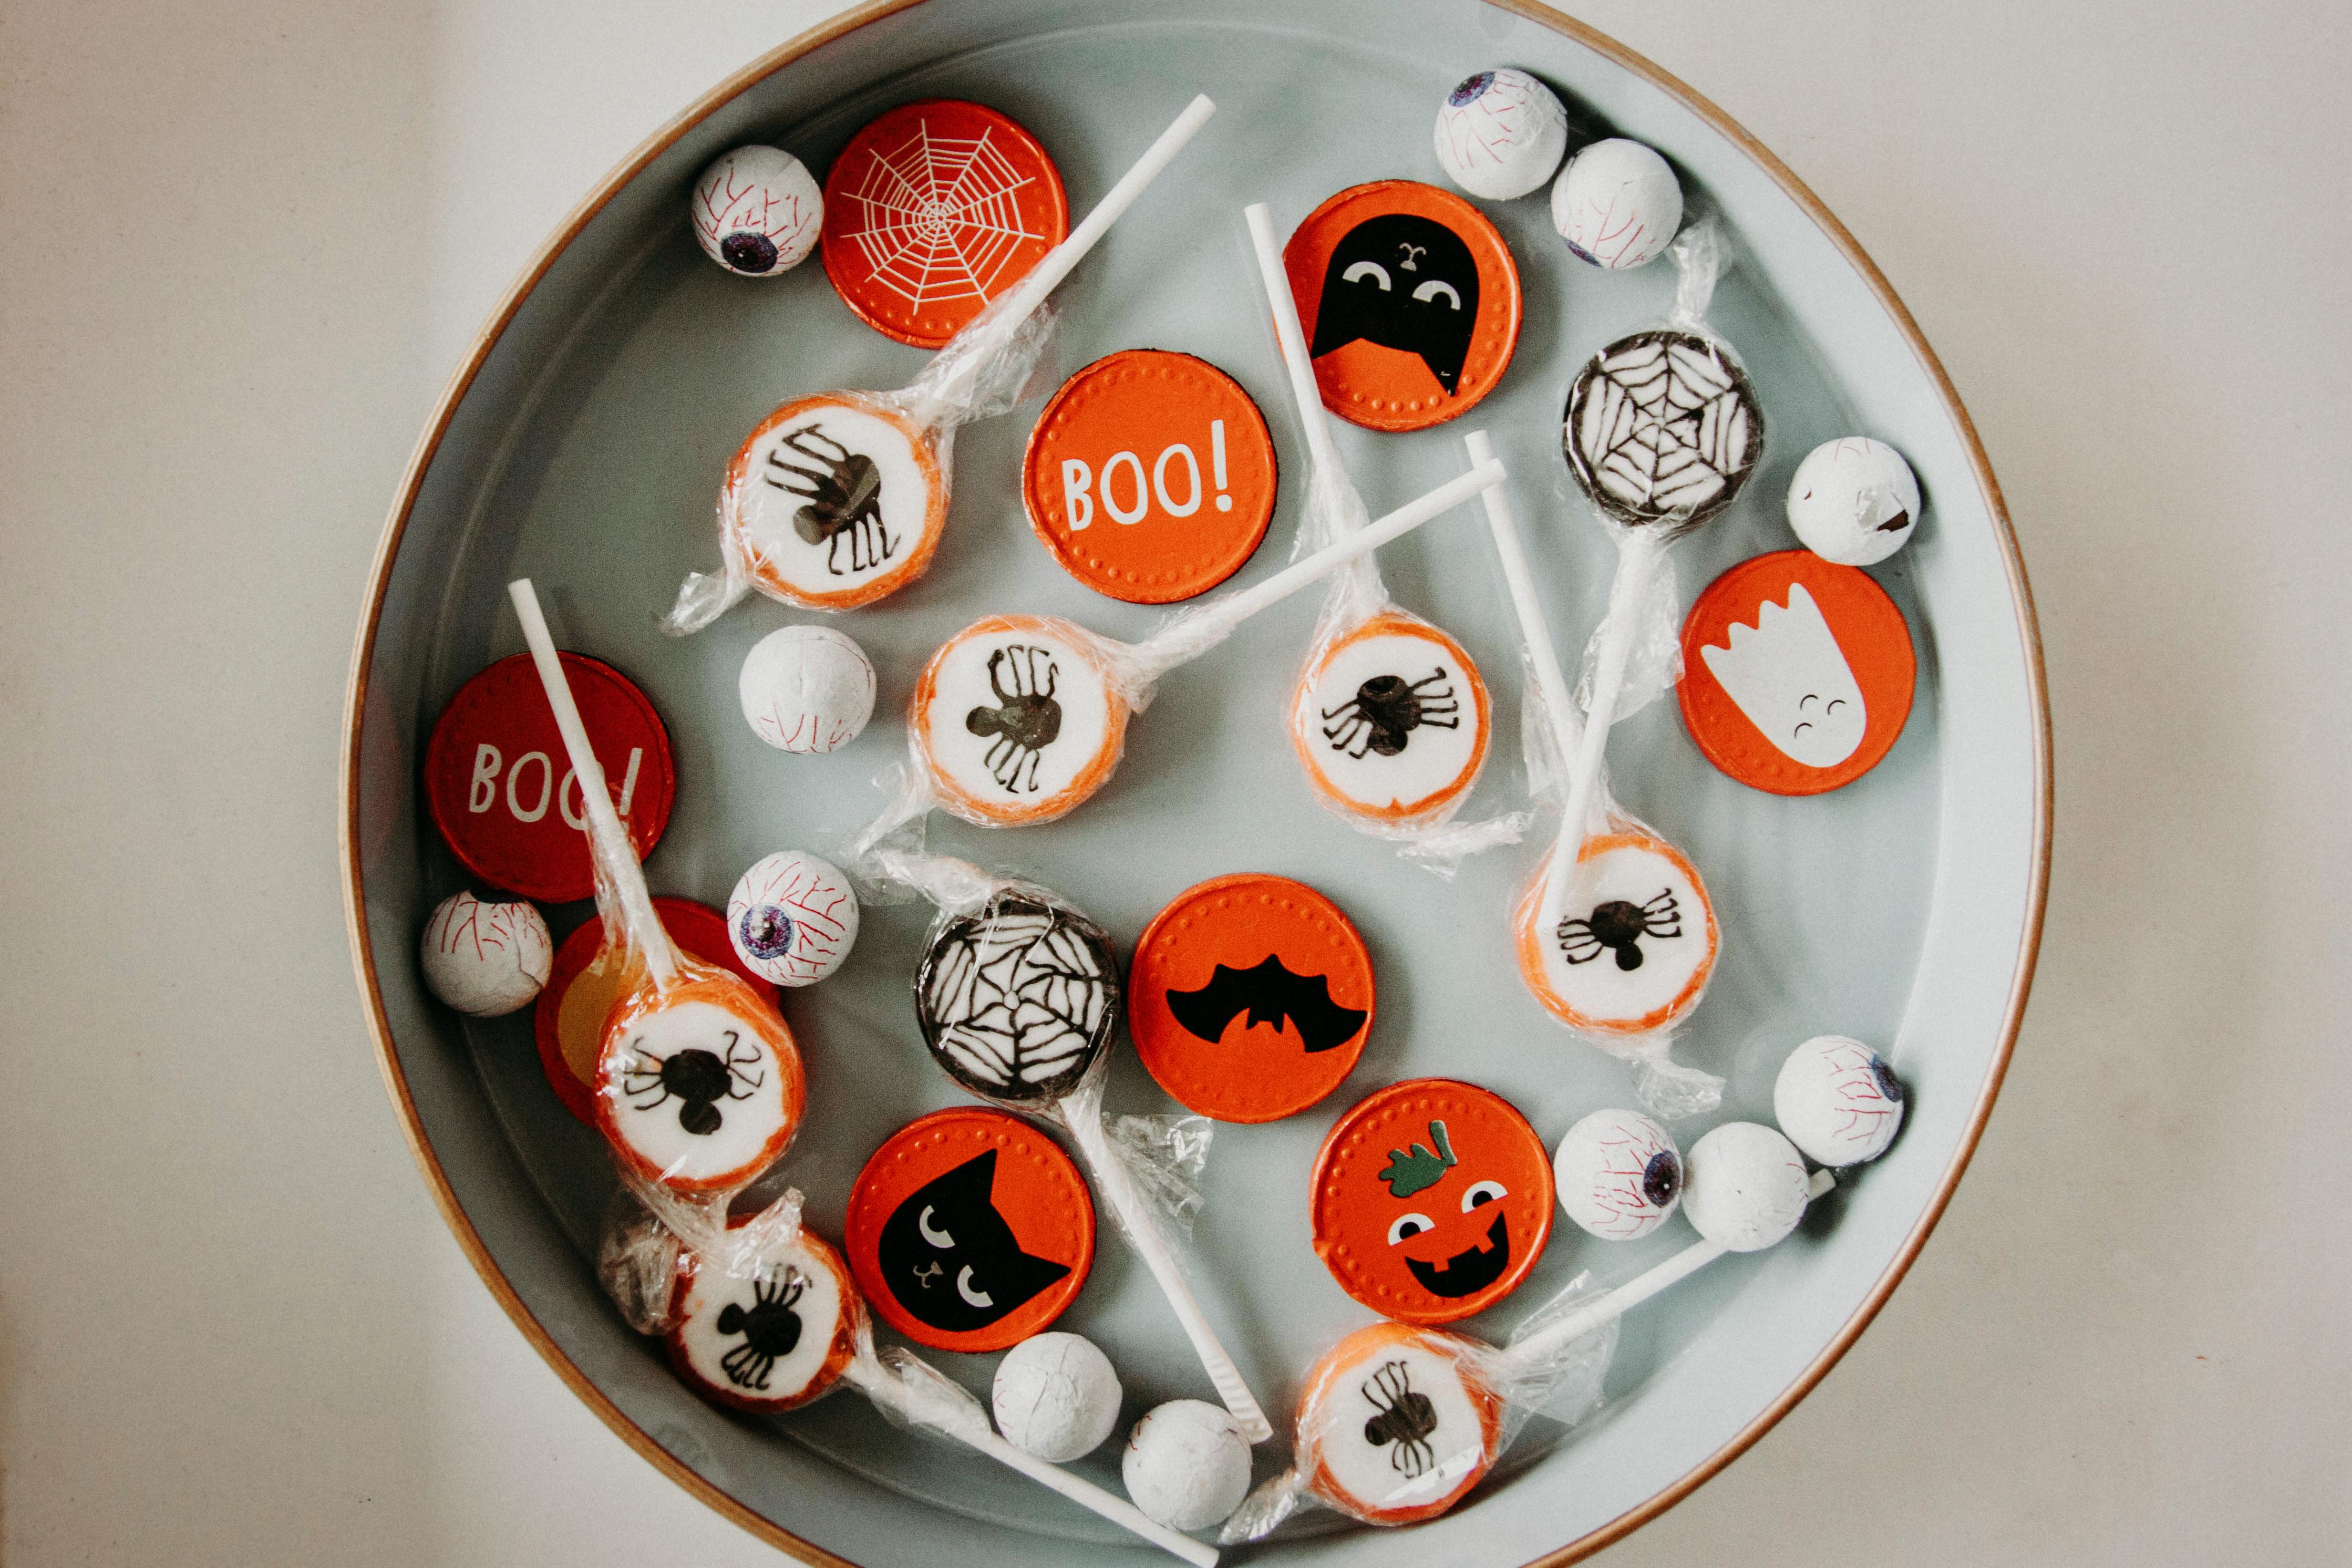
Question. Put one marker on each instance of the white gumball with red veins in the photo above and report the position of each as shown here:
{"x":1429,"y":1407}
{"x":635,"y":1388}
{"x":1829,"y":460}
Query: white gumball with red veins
{"x":1837,"y":1101}
{"x":1500,"y":134}
{"x":792,"y":918}
{"x":757,"y":211}
{"x":1746,"y":1186}
{"x":806,"y":688}
{"x":1619,"y":1174}
{"x":1617,"y":204}
{"x":486,"y":960}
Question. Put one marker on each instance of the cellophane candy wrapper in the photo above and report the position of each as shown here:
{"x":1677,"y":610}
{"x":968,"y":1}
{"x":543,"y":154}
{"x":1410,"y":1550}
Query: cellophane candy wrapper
{"x":1500,"y":1389}
{"x":1430,"y":838}
{"x":983,"y":371}
{"x":648,"y":1229}
{"x":1670,"y":1088}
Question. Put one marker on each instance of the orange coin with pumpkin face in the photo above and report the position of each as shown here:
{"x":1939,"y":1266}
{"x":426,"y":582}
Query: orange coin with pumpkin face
{"x":1431,"y":1200}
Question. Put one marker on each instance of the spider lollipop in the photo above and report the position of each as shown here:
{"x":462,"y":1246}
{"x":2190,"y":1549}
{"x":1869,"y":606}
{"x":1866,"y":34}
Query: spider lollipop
{"x":1391,"y":719}
{"x":837,"y":500}
{"x":1614,"y":935}
{"x":762,"y":1316}
{"x":698,"y":1084}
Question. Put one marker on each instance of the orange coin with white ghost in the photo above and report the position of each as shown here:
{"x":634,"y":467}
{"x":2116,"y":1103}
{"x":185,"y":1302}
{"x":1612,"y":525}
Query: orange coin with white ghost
{"x":1397,"y":1424}
{"x":1632,"y":950}
{"x":772,"y":1342}
{"x":1431,"y":1200}
{"x":1016,"y":719}
{"x":834,"y":501}
{"x":1393,"y":722}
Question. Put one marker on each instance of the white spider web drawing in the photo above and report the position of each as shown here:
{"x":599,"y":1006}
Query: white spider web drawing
{"x":939,"y":219}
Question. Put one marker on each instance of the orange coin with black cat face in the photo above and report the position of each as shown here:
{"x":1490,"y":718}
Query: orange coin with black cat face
{"x":1431,"y":1200}
{"x":1250,"y":997}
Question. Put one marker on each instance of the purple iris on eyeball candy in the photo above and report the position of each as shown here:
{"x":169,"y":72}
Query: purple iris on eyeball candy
{"x":1500,"y":133}
{"x":757,"y":211}
{"x":792,"y":918}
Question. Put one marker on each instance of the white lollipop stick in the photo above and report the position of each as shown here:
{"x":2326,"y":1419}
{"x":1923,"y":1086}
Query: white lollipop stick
{"x":608,"y":841}
{"x":1084,"y":1123}
{"x":1637,"y":558}
{"x":1545,"y":1343}
{"x":1293,"y":336}
{"x":877,"y":1383}
{"x":1558,"y":701}
{"x":1031,"y":290}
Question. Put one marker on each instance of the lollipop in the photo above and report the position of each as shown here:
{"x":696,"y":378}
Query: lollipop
{"x":1615,"y":935}
{"x":762,"y":1316}
{"x":1392,"y":721}
{"x":1619,"y":1174}
{"x":837,"y":500}
{"x":791,"y":918}
{"x":698,"y":1084}
{"x":1020,"y":718}
{"x":1398,"y":1424}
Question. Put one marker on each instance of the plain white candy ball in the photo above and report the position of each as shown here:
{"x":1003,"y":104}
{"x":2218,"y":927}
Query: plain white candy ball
{"x":806,"y":688}
{"x":1056,"y":1396}
{"x":1746,"y":1186}
{"x":1837,"y":1101}
{"x":1854,"y":500}
{"x":1185,"y":1466}
{"x":757,"y":211}
{"x":792,"y":918}
{"x":486,"y":960}
{"x":1617,"y":204}
{"x":1618,"y":1175}
{"x":1500,"y":134}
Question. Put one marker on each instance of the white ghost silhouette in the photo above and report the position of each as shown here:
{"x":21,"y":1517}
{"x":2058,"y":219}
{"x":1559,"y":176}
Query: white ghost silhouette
{"x":1789,"y":676}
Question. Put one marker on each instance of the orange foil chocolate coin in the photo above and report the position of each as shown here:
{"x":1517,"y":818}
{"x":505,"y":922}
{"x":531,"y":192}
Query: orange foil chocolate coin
{"x":1250,"y":997}
{"x":1797,"y":673}
{"x":933,"y":210}
{"x":1409,"y":301}
{"x":970,"y":1230}
{"x":568,"y":1020}
{"x":1150,"y":476}
{"x":1431,"y":1200}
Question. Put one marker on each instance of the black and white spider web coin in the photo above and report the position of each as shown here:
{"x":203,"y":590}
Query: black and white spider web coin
{"x":694,"y":1092}
{"x":1394,"y":721}
{"x":1662,"y":426}
{"x":1016,"y":1001}
{"x":770,"y":1340}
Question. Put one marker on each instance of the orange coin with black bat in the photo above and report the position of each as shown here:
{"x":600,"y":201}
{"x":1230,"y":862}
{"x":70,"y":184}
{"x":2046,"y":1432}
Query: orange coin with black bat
{"x":1250,"y":997}
{"x":1431,"y":1199}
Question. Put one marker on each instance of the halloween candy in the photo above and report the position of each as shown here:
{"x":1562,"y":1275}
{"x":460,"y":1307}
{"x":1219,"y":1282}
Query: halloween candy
{"x":806,"y":688}
{"x":1838,"y":1101}
{"x":757,"y":211}
{"x":483,"y":959}
{"x":1500,"y":133}
{"x":762,"y":1316}
{"x":837,"y":500}
{"x":1391,"y":719}
{"x":1185,"y":1465}
{"x":792,"y":918}
{"x":1854,"y":500}
{"x":699,"y":1083}
{"x":1615,"y":935}
{"x":1055,"y":1395}
{"x":1617,"y":204}
{"x":1619,"y":1174}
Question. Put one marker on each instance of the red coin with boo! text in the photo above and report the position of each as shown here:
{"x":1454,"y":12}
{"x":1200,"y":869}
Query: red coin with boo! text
{"x":1150,"y":476}
{"x":502,"y":795}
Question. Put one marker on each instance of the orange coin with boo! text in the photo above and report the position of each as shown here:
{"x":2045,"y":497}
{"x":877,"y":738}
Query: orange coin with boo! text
{"x":1431,"y":1200}
{"x":934,"y":209}
{"x":1250,"y":997}
{"x":1150,"y":476}
{"x":1409,"y":301}
{"x":1797,"y":673}
{"x":970,"y":1230}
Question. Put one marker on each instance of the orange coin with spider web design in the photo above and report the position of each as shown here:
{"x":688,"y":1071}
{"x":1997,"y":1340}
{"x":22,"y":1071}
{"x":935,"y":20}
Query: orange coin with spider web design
{"x":933,"y":210}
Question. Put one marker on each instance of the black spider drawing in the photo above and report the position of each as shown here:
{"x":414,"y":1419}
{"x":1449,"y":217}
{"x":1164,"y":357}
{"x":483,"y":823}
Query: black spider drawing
{"x":770,"y":1328}
{"x":1620,"y":925}
{"x":1403,"y":1416}
{"x":1028,"y":720}
{"x":696,"y":1079}
{"x":843,"y":493}
{"x":1384,"y":710}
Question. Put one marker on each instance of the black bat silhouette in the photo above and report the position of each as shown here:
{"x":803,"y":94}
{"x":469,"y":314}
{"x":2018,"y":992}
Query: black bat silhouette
{"x":1268,"y":992}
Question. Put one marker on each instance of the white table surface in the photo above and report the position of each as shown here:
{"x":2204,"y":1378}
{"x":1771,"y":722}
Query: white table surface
{"x":241,"y":246}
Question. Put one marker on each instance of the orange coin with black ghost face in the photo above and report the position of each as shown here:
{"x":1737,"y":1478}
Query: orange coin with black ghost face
{"x":1431,"y":1200}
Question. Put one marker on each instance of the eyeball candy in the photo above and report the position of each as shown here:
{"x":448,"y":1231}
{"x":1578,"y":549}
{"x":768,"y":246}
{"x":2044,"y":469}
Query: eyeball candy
{"x":757,"y":211}
{"x":1837,"y":1101}
{"x":772,"y":1342}
{"x":1396,"y":1424}
{"x":1633,"y":952}
{"x":1500,"y":134}
{"x":1392,"y":725}
{"x":1056,"y":1396}
{"x":1015,"y":721}
{"x":1617,"y":204}
{"x":1746,"y":1187}
{"x":792,"y":918}
{"x":806,"y":688}
{"x":486,"y":960}
{"x":1185,"y":1466}
{"x":1854,"y":500}
{"x":1618,"y":1175}
{"x":833,"y":501}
